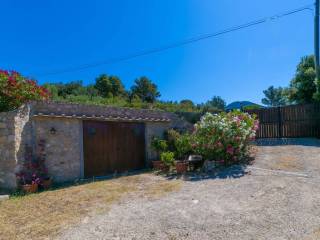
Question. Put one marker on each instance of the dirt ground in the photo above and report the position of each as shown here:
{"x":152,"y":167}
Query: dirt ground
{"x":278,"y":197}
{"x":45,"y":214}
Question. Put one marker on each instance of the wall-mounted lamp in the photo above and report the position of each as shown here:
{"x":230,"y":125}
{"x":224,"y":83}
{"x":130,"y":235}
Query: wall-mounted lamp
{"x":53,"y":131}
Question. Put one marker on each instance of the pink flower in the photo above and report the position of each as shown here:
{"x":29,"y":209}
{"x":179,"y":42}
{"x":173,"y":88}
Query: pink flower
{"x":36,"y":181}
{"x":252,"y":138}
{"x":219,"y":144}
{"x":230,"y":150}
{"x":4,"y":72}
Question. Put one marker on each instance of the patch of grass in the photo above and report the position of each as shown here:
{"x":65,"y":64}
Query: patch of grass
{"x":45,"y":214}
{"x":162,"y":188}
{"x":38,"y":216}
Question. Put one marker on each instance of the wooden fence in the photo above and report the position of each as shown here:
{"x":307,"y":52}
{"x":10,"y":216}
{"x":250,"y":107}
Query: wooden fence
{"x":289,"y":121}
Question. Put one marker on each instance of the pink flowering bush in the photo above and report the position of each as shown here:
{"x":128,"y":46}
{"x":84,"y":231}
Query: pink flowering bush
{"x":16,"y":90}
{"x":225,"y":137}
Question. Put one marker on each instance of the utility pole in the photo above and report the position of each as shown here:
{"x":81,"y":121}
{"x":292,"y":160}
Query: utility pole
{"x":316,"y":45}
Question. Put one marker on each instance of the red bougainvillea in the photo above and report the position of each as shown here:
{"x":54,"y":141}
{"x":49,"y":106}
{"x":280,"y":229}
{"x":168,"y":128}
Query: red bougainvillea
{"x":16,"y":90}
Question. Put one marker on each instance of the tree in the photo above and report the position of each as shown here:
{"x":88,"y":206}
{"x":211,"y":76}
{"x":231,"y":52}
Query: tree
{"x":187,"y":102}
{"x":216,"y":102}
{"x":52,"y":89}
{"x":91,"y":91}
{"x":109,"y":86}
{"x":74,"y":88}
{"x":145,"y":90}
{"x":186,"y":105}
{"x":16,"y":89}
{"x":275,"y":97}
{"x":303,"y":86}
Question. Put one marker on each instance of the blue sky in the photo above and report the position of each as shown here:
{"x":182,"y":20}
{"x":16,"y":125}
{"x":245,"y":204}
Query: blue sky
{"x":42,"y":36}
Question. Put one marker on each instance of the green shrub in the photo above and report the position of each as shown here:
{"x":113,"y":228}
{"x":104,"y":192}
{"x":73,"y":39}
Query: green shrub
{"x":167,"y":158}
{"x":191,"y":117}
{"x":172,"y":136}
{"x":183,"y":146}
{"x":252,"y":107}
{"x":179,"y":143}
{"x":159,"y":145}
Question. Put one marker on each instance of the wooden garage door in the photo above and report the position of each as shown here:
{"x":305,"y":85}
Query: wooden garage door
{"x":111,"y":147}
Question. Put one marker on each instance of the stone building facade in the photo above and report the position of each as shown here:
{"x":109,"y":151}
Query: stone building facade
{"x":60,"y":125}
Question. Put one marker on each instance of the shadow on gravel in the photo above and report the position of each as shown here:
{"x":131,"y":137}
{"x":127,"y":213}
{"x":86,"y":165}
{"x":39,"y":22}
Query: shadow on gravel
{"x":312,"y":142}
{"x":236,"y":171}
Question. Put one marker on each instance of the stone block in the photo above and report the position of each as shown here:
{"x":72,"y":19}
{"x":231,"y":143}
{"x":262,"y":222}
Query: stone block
{"x":3,"y":131}
{"x":10,"y":138}
{"x":3,"y":139}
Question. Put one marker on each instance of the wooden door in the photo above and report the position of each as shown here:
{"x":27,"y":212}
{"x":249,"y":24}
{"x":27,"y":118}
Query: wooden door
{"x":111,"y":147}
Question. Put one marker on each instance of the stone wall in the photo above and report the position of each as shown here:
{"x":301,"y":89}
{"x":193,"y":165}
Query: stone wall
{"x":63,"y":148}
{"x":7,"y":150}
{"x":14,"y":133}
{"x":19,"y":129}
{"x":153,"y":129}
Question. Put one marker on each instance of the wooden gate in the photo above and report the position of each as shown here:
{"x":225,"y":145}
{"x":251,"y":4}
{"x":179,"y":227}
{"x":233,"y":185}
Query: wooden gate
{"x":289,"y":121}
{"x":111,"y":147}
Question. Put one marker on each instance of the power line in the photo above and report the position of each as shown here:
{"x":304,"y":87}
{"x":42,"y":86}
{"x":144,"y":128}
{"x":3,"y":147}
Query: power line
{"x":181,"y":43}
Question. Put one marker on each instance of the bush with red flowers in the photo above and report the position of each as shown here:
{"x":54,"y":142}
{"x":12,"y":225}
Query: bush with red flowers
{"x":16,"y":89}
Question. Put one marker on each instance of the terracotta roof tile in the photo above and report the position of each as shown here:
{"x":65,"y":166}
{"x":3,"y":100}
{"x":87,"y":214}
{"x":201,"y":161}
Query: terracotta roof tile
{"x":70,"y":110}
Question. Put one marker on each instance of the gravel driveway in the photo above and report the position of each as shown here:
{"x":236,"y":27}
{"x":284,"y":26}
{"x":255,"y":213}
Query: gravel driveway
{"x":278,"y":197}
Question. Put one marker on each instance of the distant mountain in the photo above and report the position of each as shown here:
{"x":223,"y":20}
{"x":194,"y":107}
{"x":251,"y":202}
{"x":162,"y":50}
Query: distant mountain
{"x":241,"y":104}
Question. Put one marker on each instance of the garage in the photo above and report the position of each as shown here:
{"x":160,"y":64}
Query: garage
{"x":112,"y":147}
{"x":80,"y":141}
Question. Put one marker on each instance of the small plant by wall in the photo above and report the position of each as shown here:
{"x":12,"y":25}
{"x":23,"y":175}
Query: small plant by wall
{"x":34,"y":172}
{"x":167,"y":158}
{"x":159,"y":145}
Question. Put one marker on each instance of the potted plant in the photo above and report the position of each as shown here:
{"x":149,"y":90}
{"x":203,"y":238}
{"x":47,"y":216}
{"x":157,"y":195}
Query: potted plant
{"x":46,"y":183}
{"x":159,"y":145}
{"x":29,"y":183}
{"x":183,"y":149}
{"x":34,"y":174}
{"x":30,"y":188}
{"x":181,"y":167}
{"x":167,"y":159}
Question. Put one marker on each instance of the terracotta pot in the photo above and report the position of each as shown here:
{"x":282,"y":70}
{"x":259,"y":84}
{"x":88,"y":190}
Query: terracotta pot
{"x":157,"y":164}
{"x":164,"y":168}
{"x":181,"y":167}
{"x":46,"y":184}
{"x":30,"y":188}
